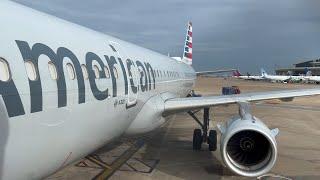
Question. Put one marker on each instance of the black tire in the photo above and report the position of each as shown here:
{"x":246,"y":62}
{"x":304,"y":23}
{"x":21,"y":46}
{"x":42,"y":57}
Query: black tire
{"x":212,"y":140}
{"x":197,"y":139}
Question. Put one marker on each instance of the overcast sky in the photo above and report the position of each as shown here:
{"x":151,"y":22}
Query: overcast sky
{"x":244,"y":34}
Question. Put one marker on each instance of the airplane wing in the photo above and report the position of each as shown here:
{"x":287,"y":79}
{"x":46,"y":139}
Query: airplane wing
{"x":214,"y":72}
{"x":175,"y":105}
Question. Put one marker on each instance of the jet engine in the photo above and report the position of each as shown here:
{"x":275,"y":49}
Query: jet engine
{"x":248,"y":147}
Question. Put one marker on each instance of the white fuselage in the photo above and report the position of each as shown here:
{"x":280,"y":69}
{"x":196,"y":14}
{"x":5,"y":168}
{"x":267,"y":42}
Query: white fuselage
{"x":313,"y":78}
{"x":276,"y":77}
{"x":251,"y":77}
{"x":47,"y":122}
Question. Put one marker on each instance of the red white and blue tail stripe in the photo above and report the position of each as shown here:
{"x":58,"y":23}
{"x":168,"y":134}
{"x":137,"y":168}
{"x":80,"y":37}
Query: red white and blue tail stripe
{"x":187,"y":54}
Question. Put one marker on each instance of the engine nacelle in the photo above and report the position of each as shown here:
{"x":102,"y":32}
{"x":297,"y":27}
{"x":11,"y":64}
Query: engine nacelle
{"x":248,"y":147}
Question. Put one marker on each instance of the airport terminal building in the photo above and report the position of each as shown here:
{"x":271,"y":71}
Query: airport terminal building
{"x":302,"y":68}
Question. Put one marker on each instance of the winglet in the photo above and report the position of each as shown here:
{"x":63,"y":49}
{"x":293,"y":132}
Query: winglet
{"x":187,"y":52}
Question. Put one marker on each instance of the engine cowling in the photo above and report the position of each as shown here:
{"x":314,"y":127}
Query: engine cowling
{"x":248,"y":146}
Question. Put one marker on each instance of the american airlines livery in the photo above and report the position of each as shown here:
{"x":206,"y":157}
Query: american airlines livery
{"x":67,"y":90}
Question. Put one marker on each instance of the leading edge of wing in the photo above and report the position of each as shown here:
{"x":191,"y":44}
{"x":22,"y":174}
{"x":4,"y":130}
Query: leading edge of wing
{"x":175,"y":105}
{"x":215,"y":71}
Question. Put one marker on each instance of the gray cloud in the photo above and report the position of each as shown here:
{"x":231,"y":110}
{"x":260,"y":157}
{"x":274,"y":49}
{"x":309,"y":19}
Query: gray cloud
{"x":245,"y":34}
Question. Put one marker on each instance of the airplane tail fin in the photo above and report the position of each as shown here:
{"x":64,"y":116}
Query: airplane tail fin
{"x":187,"y":52}
{"x":263,"y":72}
{"x":236,"y":73}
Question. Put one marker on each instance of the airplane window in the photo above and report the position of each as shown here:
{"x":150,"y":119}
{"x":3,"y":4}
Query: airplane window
{"x":4,"y":70}
{"x":52,"y":71}
{"x":106,"y":70}
{"x":31,"y":70}
{"x":115,"y":71}
{"x":84,"y":71}
{"x":96,"y":71}
{"x":71,"y":71}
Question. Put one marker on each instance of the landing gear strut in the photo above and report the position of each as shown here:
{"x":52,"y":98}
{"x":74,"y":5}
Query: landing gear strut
{"x":201,"y":135}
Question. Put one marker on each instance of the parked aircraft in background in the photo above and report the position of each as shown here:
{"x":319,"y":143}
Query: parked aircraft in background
{"x":67,"y":90}
{"x":315,"y":79}
{"x":275,"y":78}
{"x":283,"y":78}
{"x":237,"y":74}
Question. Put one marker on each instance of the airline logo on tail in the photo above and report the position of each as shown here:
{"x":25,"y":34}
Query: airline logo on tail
{"x":236,"y":73}
{"x":187,"y":54}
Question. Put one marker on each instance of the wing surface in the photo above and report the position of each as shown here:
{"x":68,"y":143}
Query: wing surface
{"x":214,"y":72}
{"x":175,"y":105}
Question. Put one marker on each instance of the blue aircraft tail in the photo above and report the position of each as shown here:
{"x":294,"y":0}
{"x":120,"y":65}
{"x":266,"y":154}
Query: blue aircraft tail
{"x":263,"y":72}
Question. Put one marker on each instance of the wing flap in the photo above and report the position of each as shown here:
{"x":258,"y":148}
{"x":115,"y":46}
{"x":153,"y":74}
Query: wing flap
{"x":184,"y":104}
{"x":215,"y":71}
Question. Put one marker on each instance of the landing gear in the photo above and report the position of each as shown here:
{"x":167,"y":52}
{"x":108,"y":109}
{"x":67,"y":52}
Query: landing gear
{"x":197,"y":139}
{"x":212,"y":140}
{"x":201,"y":135}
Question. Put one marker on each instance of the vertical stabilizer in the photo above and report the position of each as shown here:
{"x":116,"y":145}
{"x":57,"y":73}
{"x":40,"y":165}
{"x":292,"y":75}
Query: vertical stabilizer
{"x":236,"y":73}
{"x":187,"y":54}
{"x":263,"y":73}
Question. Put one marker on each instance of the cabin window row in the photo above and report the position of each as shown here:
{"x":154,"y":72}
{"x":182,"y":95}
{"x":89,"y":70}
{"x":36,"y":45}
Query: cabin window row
{"x":5,"y":73}
{"x":70,"y":71}
{"x":160,"y":73}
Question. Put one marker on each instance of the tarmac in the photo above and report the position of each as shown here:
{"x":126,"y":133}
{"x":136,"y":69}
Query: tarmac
{"x":167,"y":153}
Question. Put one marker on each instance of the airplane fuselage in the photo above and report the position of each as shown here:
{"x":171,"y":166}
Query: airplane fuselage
{"x":71,"y":90}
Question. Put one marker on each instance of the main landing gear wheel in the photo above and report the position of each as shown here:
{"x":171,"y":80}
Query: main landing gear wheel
{"x":203,"y":135}
{"x":212,"y":140}
{"x":197,"y":139}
